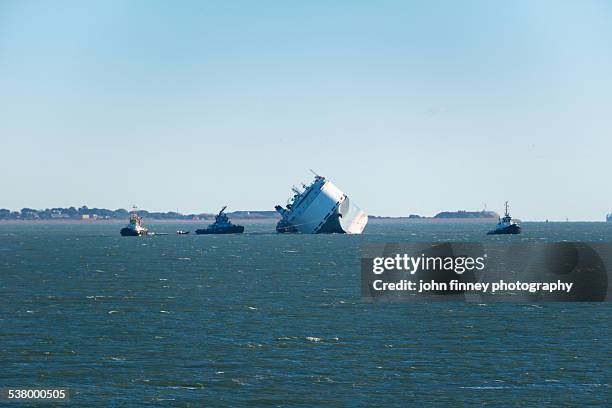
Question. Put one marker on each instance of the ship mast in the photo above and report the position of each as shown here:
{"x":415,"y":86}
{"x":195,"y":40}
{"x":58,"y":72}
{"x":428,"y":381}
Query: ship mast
{"x":507,"y":215}
{"x":317,"y":177}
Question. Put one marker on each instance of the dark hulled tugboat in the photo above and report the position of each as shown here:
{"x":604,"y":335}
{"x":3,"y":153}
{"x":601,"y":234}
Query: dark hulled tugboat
{"x":134,"y":227}
{"x":222,"y":225}
{"x":506,"y":225}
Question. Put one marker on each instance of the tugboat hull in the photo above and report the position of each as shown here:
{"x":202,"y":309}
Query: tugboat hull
{"x":235,"y":229}
{"x":511,"y":229}
{"x":129,"y":232}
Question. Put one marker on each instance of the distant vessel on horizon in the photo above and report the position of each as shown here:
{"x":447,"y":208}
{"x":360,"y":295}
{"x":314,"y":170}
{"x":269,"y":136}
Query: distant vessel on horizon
{"x":609,"y":217}
{"x":320,"y":208}
{"x":134,"y":227}
{"x":222,"y":225}
{"x":506,"y":225}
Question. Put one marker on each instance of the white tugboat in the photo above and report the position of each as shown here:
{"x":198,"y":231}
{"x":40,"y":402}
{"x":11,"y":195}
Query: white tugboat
{"x":321,"y":208}
{"x":506,"y":225}
{"x":134,"y":227}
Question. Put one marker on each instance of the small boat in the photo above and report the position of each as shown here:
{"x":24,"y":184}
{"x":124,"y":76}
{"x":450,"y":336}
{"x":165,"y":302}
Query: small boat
{"x":222,"y":225}
{"x":181,"y":232}
{"x":134,"y":227}
{"x":506,"y":225}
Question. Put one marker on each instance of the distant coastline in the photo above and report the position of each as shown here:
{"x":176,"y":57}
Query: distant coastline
{"x":84,"y":213}
{"x":449,"y":215}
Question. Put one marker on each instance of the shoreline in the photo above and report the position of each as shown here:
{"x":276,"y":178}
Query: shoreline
{"x":123,"y":222}
{"x":273,"y":220}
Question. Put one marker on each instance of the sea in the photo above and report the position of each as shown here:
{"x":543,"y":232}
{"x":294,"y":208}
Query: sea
{"x":266,"y":319}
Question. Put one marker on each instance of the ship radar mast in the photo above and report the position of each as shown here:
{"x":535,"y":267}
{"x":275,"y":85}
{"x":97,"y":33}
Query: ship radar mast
{"x":318,"y":177}
{"x":221,"y":217}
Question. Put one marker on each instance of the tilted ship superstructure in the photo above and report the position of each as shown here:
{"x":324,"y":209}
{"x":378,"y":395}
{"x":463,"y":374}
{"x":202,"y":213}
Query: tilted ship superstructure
{"x":321,"y":208}
{"x":506,"y":225}
{"x":222,"y":225}
{"x":134,"y":227}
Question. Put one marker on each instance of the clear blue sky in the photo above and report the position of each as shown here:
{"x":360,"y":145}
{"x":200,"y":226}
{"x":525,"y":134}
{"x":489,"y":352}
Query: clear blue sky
{"x":409,"y":106}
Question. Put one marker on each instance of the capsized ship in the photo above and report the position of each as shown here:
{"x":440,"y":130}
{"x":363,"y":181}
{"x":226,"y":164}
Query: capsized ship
{"x":222,"y":225}
{"x":134,"y":227}
{"x":320,"y":208}
{"x":506,"y":225}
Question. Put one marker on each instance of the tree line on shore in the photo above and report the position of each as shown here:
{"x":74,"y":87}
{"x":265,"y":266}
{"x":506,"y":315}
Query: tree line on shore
{"x":73,"y":213}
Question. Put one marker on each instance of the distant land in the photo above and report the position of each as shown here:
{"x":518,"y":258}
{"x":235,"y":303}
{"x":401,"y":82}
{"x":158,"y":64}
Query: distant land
{"x":86,"y":213}
{"x":449,"y":215}
{"x":467,"y":214}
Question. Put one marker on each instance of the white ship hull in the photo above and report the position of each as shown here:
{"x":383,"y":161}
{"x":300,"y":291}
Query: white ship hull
{"x":324,"y":208}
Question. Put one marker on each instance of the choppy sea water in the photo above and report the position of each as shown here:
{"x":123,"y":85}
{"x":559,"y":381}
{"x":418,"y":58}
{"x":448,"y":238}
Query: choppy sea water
{"x":268,"y":319}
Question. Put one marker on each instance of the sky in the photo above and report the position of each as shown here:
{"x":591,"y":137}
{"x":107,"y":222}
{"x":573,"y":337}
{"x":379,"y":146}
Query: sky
{"x":410,"y":107}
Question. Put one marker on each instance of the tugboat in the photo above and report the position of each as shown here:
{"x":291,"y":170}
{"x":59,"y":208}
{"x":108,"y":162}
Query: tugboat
{"x":182,"y":232}
{"x":134,"y":227}
{"x":506,"y":225}
{"x":222,"y":225}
